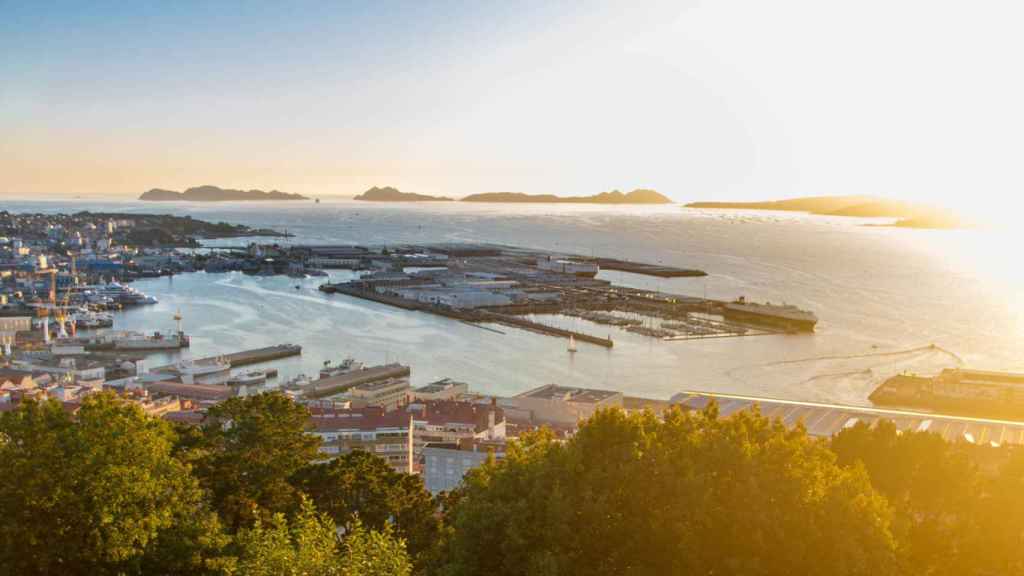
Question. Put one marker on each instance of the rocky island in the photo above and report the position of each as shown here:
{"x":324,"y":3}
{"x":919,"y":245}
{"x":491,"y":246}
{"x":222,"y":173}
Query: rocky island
{"x":908,"y":215}
{"x":389,"y":194}
{"x":639,"y":196}
{"x":215,"y":194}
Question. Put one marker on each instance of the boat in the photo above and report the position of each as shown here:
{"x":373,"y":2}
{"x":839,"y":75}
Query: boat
{"x":116,"y":293}
{"x":783,"y":315}
{"x":572,"y":344}
{"x":92,"y":320}
{"x":139,"y":341}
{"x":297,"y":383}
{"x":191,"y":372}
{"x":347,"y":365}
{"x":254,"y":378}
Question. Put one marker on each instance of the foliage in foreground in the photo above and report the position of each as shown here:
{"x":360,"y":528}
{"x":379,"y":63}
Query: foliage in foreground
{"x":114,"y":491}
{"x":692,"y":494}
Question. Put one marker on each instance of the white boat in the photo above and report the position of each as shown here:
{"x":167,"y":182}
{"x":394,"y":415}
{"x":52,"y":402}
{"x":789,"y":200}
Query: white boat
{"x":116,"y":293}
{"x":92,"y":320}
{"x":138,"y":341}
{"x":297,"y":384}
{"x":191,"y":372}
{"x":254,"y":378}
{"x":572,"y":344}
{"x":346,"y":366}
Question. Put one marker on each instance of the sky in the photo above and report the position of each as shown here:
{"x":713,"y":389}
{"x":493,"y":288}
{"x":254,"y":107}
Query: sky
{"x":717,"y":100}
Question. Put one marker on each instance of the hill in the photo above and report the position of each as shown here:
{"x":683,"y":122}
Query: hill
{"x":389,"y":194}
{"x":909,"y":215}
{"x":812,"y":204}
{"x":215,"y":194}
{"x":639,"y":196}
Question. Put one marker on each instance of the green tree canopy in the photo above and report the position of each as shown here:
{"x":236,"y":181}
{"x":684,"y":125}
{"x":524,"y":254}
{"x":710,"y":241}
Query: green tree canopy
{"x":693,"y":494}
{"x":308,"y":546}
{"x":249,"y":449}
{"x":360,"y":487}
{"x":939,"y":498}
{"x":97,"y":494}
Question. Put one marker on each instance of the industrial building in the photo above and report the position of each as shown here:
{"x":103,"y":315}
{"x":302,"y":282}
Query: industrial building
{"x":826,"y":420}
{"x":564,"y":404}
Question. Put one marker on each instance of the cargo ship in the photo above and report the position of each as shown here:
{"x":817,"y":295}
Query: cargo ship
{"x":784,"y":316}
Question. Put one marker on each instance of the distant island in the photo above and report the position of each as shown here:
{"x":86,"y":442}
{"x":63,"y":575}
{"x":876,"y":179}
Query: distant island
{"x":909,"y":215}
{"x":389,"y":194}
{"x":639,"y":196}
{"x":216,"y":194}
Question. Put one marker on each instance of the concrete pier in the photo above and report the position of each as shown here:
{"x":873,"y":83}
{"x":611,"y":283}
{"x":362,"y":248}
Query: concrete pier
{"x":248,"y":357}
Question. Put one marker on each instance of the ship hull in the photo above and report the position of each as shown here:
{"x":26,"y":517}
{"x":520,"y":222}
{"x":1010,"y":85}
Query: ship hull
{"x":791,"y":324}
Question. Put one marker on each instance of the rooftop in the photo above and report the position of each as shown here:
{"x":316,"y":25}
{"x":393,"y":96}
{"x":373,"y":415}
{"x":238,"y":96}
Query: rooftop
{"x":829,"y":419}
{"x":439,"y":386}
{"x":569,"y":394}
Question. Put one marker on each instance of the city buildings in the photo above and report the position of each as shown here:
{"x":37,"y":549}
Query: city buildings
{"x":399,"y":436}
{"x":564,"y":404}
{"x":444,"y":389}
{"x":445,"y":464}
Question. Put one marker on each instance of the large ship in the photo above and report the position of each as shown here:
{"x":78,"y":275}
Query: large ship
{"x":568,"y":266}
{"x":214,"y":372}
{"x":139,"y":342}
{"x":115,"y":293}
{"x":782,"y":315}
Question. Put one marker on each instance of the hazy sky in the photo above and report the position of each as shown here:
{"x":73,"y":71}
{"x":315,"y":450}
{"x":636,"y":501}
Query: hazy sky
{"x":700,"y":100}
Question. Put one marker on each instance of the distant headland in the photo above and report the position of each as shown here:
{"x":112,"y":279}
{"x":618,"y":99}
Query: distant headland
{"x":908,"y":215}
{"x":215,"y":194}
{"x":389,"y":194}
{"x":639,"y":196}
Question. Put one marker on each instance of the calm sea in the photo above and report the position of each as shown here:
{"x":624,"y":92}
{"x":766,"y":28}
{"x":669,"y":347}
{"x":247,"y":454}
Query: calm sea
{"x":884,"y":296}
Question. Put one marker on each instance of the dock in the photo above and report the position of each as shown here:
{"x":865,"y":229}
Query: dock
{"x":248,"y":357}
{"x":647,"y":269}
{"x":519,"y":322}
{"x":466,"y":316}
{"x":325,"y":387}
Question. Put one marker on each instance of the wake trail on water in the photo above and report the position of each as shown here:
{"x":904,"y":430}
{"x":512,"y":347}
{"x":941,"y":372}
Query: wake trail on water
{"x":733,"y":373}
{"x":930,"y":347}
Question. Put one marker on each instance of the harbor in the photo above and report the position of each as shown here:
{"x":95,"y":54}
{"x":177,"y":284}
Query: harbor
{"x":230,"y":306}
{"x":508,"y":285}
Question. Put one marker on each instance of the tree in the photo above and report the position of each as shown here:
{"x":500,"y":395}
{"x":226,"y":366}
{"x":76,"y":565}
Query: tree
{"x":932,"y":485}
{"x":693,"y":494}
{"x":249,"y":449}
{"x":308,"y":545}
{"x":96,"y":494}
{"x":362,"y":488}
{"x":374,"y":553}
